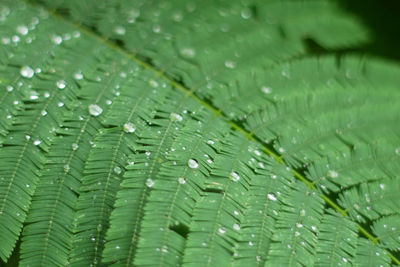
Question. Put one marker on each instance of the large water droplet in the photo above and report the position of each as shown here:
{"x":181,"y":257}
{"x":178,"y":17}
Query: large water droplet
{"x":22,"y":30}
{"x":95,"y":110}
{"x":193,"y":164}
{"x":27,"y":72}
{"x":56,"y":39}
{"x":235,"y":176}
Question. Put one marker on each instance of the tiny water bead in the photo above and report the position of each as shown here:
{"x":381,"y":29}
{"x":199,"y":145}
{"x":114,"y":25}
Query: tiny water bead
{"x":222,"y":230}
{"x":129,"y":127}
{"x":230,"y":64}
{"x":193,"y":164}
{"x":36,"y":142}
{"x":61,"y":84}
{"x":235,"y":176}
{"x":236,"y":227}
{"x":27,"y":72}
{"x":78,"y":76}
{"x":75,"y":146}
{"x":181,"y":180}
{"x":95,"y":110}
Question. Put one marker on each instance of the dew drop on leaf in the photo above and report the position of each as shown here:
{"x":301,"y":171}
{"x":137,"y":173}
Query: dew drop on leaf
{"x":221,"y":230}
{"x":95,"y":110}
{"x":333,"y":174}
{"x":175,"y":117}
{"x":129,"y":127}
{"x":61,"y":84}
{"x":230,"y":64}
{"x":235,"y":176}
{"x":193,"y":164}
{"x":117,"y":170}
{"x":27,"y":72}
{"x":149,"y":182}
{"x":266,"y":90}
{"x":188,"y":52}
{"x":272,"y":197}
{"x":236,"y":227}
{"x":181,"y":180}
{"x":75,"y":146}
{"x":56,"y":39}
{"x":78,"y":76}
{"x":22,"y":30}
{"x":36,"y":142}
{"x":119,"y":30}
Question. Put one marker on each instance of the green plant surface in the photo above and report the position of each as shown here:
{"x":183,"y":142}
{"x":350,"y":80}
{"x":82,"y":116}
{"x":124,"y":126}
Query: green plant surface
{"x":195,"y":133}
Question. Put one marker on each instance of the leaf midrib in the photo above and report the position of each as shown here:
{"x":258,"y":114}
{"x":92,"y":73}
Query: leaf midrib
{"x":217,"y":112}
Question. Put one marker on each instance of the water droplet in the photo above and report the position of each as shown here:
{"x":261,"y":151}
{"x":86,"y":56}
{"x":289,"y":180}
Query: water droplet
{"x":149,"y":182}
{"x":10,"y":88}
{"x":164,"y":249}
{"x":175,"y":117}
{"x":251,"y":243}
{"x":119,"y":30}
{"x":333,"y":174}
{"x":246,"y":13}
{"x":281,"y":150}
{"x":61,"y":84}
{"x":93,"y":238}
{"x":60,"y":104}
{"x":27,"y":72}
{"x":188,"y":52}
{"x":236,"y":227}
{"x":181,"y":180}
{"x":236,"y":212}
{"x":129,"y":127}
{"x":78,"y":76}
{"x":36,"y":142}
{"x":266,"y":90}
{"x":22,"y":30}
{"x":299,"y":225}
{"x":67,"y":168}
{"x":296,"y":233}
{"x":302,"y":213}
{"x":222,"y":230}
{"x":193,"y":164}
{"x":56,"y":39}
{"x":235,"y":176}
{"x":95,"y":110}
{"x":153,"y":83}
{"x":382,"y":186}
{"x":33,"y":95}
{"x":117,"y":247}
{"x":397,"y":150}
{"x":27,"y":137}
{"x":210,"y":142}
{"x":257,"y":152}
{"x":28,"y":185}
{"x":314,"y":228}
{"x":272,"y":197}
{"x":75,"y":146}
{"x":117,"y":170}
{"x":230,"y":64}
{"x":344,"y":259}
